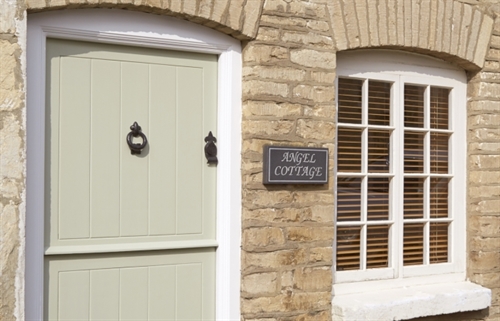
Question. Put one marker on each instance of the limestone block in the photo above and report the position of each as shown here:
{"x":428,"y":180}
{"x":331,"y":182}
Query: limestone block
{"x":489,"y":76}
{"x":455,"y":25}
{"x":309,"y":233}
{"x":313,"y":279}
{"x":252,"y":13}
{"x":322,"y":77}
{"x":485,"y":226}
{"x":310,"y":198}
{"x":319,"y":316}
{"x":440,"y":23}
{"x":491,"y":65}
{"x":321,"y":255}
{"x":256,"y":199}
{"x":263,"y":236}
{"x":474,"y":29}
{"x":483,"y":40}
{"x":382,"y":22}
{"x":392,"y":20}
{"x":433,"y":11}
{"x":307,"y":38}
{"x":218,"y":9}
{"x":489,"y":280}
{"x":485,"y":147}
{"x":401,"y":21}
{"x":269,"y":108}
{"x":189,"y":7}
{"x":484,"y":106}
{"x":268,"y":128}
{"x":316,"y":130}
{"x":11,"y":142}
{"x":484,"y":162}
{"x":234,"y":13}
{"x":318,"y":94}
{"x":287,"y":280}
{"x":275,"y":5}
{"x":338,"y":28}
{"x":351,"y":24}
{"x":485,"y":177}
{"x":204,"y":8}
{"x":268,"y":34}
{"x":484,"y":134}
{"x":9,"y":188}
{"x":273,"y":260}
{"x":362,"y":16}
{"x":264,"y":54}
{"x":306,"y":9}
{"x":262,"y":305}
{"x":322,"y":213}
{"x":282,"y":215}
{"x":484,"y":261}
{"x":424,"y":23}
{"x":486,"y":206}
{"x":407,"y":4}
{"x":313,"y":58}
{"x":10,"y":96}
{"x":259,"y":283}
{"x":480,"y":243}
{"x":275,"y":73}
{"x":326,"y":111}
{"x":464,"y":33}
{"x":318,"y":25}
{"x":373,"y":21}
{"x":484,"y":192}
{"x":256,"y":88}
{"x":266,"y":20}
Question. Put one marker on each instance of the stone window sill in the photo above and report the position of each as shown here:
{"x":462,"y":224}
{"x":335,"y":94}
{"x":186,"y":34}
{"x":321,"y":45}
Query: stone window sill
{"x":411,"y":302}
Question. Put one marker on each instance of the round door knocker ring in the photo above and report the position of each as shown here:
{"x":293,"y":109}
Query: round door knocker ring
{"x":135,"y":132}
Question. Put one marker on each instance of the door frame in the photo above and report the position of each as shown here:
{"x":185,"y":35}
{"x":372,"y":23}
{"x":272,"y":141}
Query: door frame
{"x":145,"y":30}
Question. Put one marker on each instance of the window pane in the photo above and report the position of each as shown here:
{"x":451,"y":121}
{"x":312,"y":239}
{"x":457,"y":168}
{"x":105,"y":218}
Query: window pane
{"x":348,"y":248}
{"x":378,"y":199}
{"x":348,"y":199}
{"x":414,"y":106}
{"x":377,"y":246}
{"x":439,"y":153}
{"x":378,"y":151}
{"x":439,"y":198}
{"x":439,"y":107}
{"x":414,"y":152}
{"x":413,"y":244}
{"x":349,"y":150}
{"x":413,"y":198}
{"x":438,"y":245}
{"x":350,"y":102}
{"x":379,"y":103}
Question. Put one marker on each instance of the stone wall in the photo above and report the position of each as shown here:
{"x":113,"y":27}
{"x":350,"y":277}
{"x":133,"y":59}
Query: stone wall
{"x":12,"y":158}
{"x":289,"y":61}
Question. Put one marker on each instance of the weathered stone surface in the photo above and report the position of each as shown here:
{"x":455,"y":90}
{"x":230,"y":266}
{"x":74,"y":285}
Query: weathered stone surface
{"x":313,"y":58}
{"x":313,"y":279}
{"x":263,"y":236}
{"x":316,"y":130}
{"x":271,"y":109}
{"x":260,"y":283}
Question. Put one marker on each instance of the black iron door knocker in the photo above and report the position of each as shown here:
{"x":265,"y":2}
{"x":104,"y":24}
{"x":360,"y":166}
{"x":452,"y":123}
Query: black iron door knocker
{"x":135,"y":132}
{"x":211,"y":149}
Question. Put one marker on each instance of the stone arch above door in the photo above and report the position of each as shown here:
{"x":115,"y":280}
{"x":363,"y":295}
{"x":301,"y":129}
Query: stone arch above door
{"x":447,"y":29}
{"x":238,"y":18}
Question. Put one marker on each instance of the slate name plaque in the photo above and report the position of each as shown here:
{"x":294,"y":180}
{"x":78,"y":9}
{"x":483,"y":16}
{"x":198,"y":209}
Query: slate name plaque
{"x":295,"y":165}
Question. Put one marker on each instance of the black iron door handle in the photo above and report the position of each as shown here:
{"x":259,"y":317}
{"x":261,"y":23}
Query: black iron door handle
{"x":135,"y":132}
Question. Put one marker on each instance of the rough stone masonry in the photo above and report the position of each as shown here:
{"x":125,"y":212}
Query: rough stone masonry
{"x":289,"y":62}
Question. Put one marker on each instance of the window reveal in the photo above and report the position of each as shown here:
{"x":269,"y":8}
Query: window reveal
{"x":368,"y":131}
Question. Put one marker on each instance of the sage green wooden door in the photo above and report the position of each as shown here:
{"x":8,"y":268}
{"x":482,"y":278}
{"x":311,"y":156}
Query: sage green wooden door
{"x":129,"y":237}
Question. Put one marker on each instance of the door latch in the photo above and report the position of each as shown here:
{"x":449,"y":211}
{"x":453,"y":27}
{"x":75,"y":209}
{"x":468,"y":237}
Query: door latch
{"x":211,"y":149}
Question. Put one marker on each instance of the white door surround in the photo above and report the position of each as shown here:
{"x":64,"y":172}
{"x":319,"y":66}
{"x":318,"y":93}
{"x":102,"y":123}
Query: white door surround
{"x":146,"y":30}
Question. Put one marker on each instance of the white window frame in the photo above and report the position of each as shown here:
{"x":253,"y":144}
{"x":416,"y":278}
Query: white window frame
{"x":400,"y":68}
{"x":153,"y":31}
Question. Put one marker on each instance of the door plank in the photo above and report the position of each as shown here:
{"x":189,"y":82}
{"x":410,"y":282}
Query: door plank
{"x":105,"y":150}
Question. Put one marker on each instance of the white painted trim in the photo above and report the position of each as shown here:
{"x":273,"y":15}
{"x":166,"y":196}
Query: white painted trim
{"x":399,"y":68}
{"x":147,"y":30}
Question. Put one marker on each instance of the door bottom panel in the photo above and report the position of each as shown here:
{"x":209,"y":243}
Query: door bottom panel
{"x":154,"y":285}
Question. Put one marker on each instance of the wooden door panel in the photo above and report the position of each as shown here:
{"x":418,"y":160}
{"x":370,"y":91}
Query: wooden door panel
{"x":178,"y":285}
{"x":106,"y":195}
